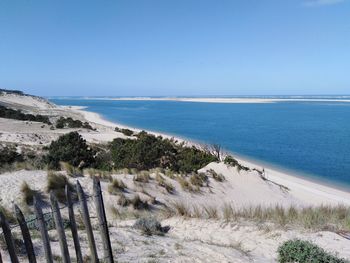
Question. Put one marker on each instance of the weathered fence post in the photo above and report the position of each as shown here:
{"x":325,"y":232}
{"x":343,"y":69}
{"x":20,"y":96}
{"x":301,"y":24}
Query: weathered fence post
{"x":26,"y":235}
{"x":101,"y":215}
{"x":60,"y":228}
{"x":43,"y":231}
{"x":73,"y":225}
{"x":87,"y":223}
{"x":8,"y":238}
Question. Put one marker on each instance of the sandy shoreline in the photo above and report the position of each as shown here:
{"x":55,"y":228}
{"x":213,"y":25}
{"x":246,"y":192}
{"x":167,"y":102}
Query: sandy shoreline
{"x":316,"y":193}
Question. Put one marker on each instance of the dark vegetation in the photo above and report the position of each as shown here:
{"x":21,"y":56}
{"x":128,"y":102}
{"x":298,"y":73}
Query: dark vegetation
{"x":9,"y":156}
{"x":70,"y":148}
{"x":229,"y":160}
{"x":148,"y":151}
{"x":10,"y":91}
{"x":70,"y":123}
{"x":126,"y":132}
{"x":18,"y":115}
{"x":305,"y":252}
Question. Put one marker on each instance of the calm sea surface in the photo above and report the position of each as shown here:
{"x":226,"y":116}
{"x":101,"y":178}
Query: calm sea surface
{"x":311,"y":138}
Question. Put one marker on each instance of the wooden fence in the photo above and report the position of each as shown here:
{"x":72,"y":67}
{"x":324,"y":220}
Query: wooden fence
{"x":56,"y":211}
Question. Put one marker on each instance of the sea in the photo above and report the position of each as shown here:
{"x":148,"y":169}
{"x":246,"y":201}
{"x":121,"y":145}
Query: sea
{"x":308,"y":138}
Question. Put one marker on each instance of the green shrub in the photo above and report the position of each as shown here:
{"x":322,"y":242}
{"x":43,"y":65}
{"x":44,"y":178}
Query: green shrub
{"x":70,"y":123}
{"x":229,"y":160}
{"x":70,"y":148}
{"x":126,"y":132}
{"x":304,"y":252}
{"x":9,"y":156}
{"x":148,"y":151}
{"x":18,"y":115}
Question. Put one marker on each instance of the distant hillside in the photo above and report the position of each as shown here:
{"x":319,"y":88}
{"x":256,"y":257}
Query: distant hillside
{"x":9,"y":91}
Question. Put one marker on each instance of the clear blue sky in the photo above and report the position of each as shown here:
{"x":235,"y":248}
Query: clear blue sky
{"x":175,"y":47}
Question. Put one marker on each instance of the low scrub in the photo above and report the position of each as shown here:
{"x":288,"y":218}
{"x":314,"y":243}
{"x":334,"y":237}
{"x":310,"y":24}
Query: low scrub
{"x":148,"y":151}
{"x":70,"y":123}
{"x":70,"y":148}
{"x":18,"y":115}
{"x":126,"y":132}
{"x":151,"y":226}
{"x":229,"y":160}
{"x":9,"y":156}
{"x":305,"y":252}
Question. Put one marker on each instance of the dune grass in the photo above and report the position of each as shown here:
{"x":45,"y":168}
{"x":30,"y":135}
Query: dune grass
{"x":330,"y":218}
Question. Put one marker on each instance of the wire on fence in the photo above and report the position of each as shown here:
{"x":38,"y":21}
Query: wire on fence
{"x":88,"y":197}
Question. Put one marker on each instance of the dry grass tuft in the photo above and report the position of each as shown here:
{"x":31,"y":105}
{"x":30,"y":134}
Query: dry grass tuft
{"x":28,"y":193}
{"x":138,"y":204}
{"x":163,"y":183}
{"x":116,"y":186}
{"x":142,"y":177}
{"x":185,"y":185}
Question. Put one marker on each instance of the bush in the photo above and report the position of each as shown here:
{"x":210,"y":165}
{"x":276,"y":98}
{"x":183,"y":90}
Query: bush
{"x":304,"y":252}
{"x":229,"y":160}
{"x":70,"y":123}
{"x":126,"y":132}
{"x":9,"y":156}
{"x":18,"y":115}
{"x":70,"y":148}
{"x":148,"y":151}
{"x":151,"y":226}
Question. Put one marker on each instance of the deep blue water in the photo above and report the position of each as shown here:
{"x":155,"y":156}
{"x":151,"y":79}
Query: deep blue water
{"x":311,"y":138}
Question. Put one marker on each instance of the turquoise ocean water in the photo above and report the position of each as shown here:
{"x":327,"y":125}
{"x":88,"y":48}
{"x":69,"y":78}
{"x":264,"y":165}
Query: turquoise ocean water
{"x":310,"y":138}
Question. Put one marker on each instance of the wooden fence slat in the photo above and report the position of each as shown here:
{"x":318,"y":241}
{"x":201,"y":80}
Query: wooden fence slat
{"x":60,"y":228}
{"x":73,"y":226}
{"x":26,"y":235}
{"x":87,"y":223}
{"x":43,"y":231}
{"x":100,"y":210}
{"x":8,"y":238}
